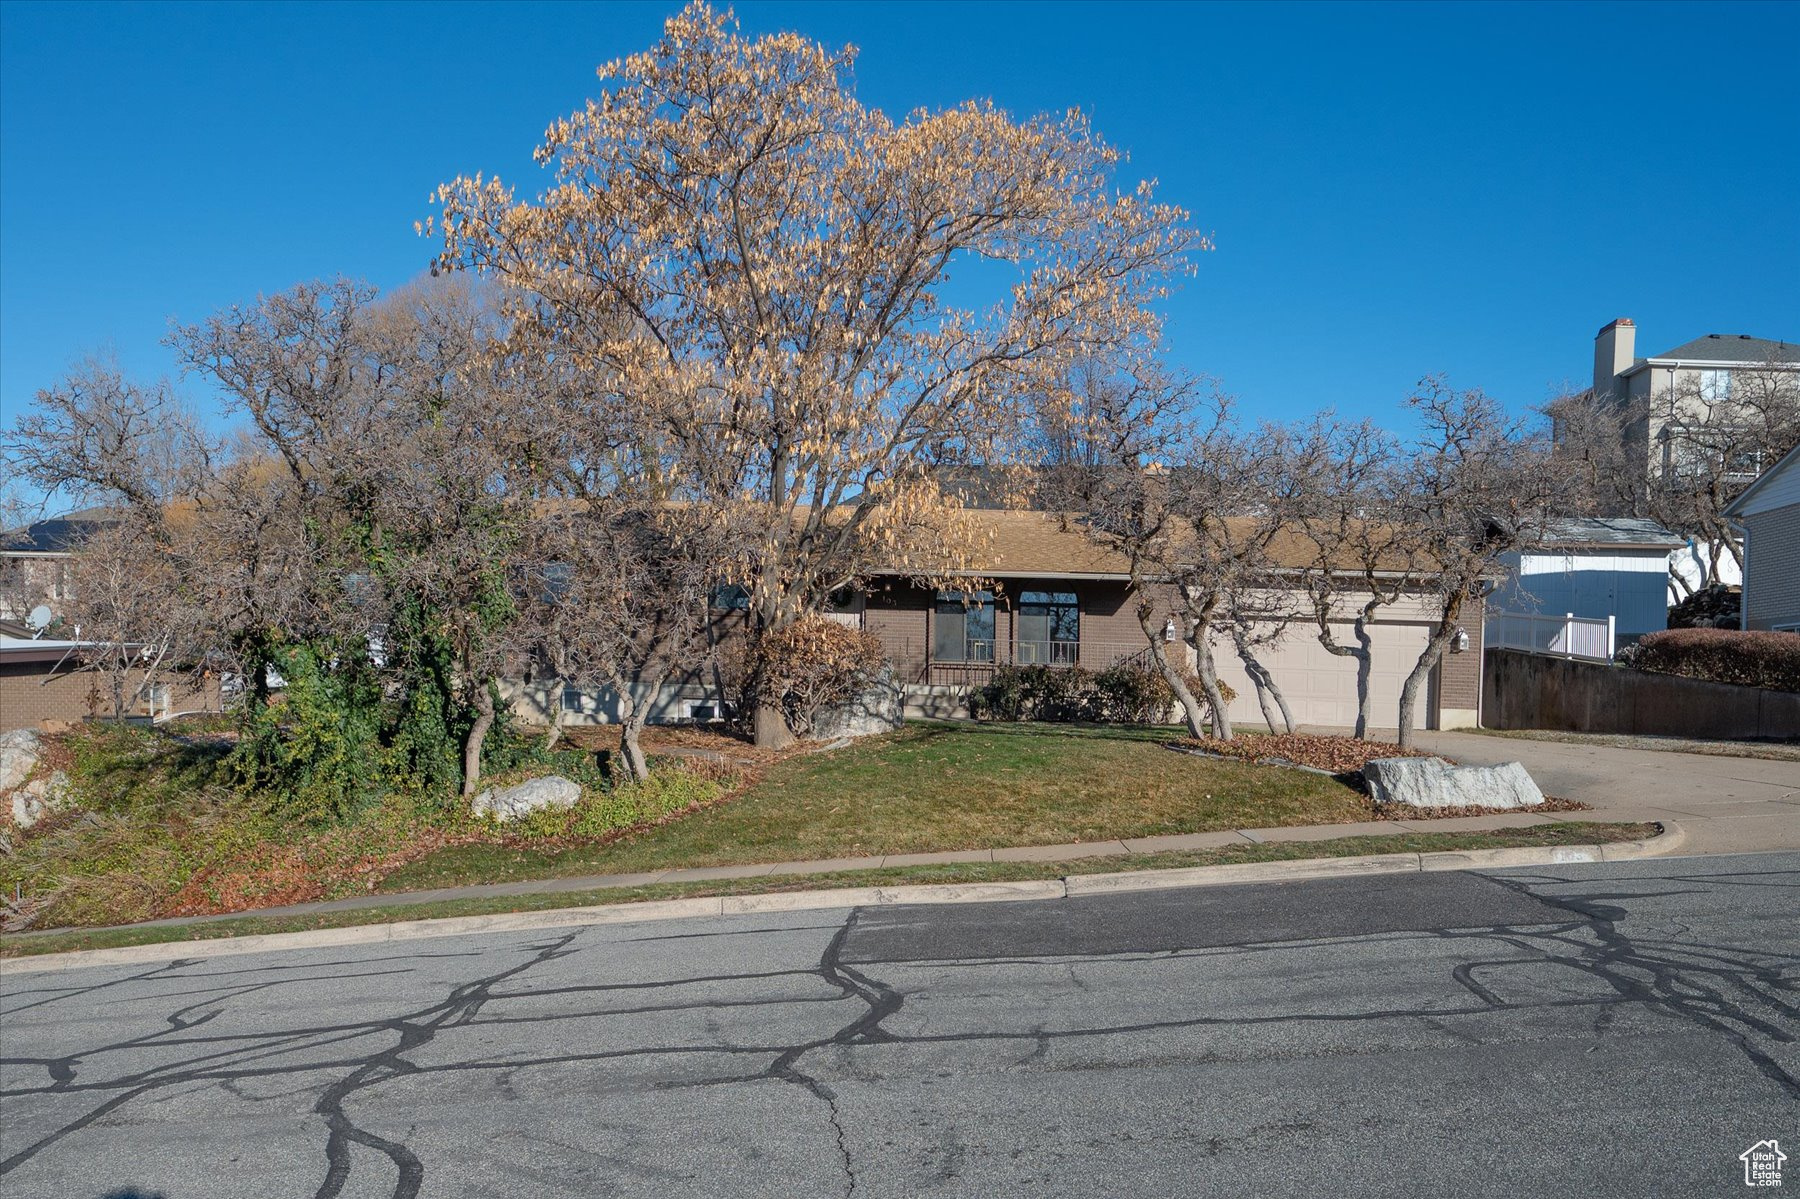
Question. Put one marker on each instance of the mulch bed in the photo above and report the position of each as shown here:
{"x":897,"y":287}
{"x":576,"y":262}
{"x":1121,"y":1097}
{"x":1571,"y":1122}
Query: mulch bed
{"x":1339,"y":755}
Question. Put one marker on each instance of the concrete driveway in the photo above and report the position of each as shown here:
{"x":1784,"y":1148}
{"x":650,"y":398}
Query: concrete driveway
{"x":1727,"y":805}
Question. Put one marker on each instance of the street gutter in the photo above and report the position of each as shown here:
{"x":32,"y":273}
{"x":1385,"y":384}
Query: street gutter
{"x":1070,"y":887}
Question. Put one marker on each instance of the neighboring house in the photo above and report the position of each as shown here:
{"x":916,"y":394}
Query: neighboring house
{"x":41,"y":679}
{"x":1704,"y":373}
{"x":1769,"y":514}
{"x":1615,"y":567}
{"x":34,"y":560}
{"x":1059,"y":600}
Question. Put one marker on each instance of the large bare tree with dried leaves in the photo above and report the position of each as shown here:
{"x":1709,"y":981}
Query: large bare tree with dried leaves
{"x":753,"y":268}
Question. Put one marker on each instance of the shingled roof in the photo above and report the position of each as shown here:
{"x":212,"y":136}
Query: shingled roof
{"x":57,"y":534}
{"x":1728,"y":347}
{"x":1031,"y":544}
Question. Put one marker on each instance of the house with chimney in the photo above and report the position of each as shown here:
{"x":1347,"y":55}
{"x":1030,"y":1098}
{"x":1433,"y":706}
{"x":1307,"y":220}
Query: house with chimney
{"x":1704,"y":378}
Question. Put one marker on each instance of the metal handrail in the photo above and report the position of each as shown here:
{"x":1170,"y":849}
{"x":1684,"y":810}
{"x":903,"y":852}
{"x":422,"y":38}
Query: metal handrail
{"x":984,"y":655}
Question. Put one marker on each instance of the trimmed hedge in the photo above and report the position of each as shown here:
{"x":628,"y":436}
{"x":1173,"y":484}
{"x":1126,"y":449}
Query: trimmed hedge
{"x":1748,"y":659}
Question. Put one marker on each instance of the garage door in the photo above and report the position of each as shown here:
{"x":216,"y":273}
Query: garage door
{"x":1320,"y":686}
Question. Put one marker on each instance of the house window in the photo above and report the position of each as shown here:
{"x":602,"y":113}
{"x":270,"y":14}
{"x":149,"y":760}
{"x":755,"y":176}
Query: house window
{"x":1744,"y":463}
{"x":731,"y":598}
{"x":963,"y":630}
{"x":1715,"y":386}
{"x":1049,"y":628}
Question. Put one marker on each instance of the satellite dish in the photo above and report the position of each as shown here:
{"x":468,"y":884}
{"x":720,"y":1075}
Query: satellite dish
{"x":39,"y":619}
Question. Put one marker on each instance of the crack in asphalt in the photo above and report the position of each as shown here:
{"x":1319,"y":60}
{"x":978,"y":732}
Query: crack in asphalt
{"x":1742,"y":996}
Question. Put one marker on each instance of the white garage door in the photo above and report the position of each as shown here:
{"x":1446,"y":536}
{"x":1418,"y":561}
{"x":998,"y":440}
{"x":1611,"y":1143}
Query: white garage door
{"x":1320,"y":686}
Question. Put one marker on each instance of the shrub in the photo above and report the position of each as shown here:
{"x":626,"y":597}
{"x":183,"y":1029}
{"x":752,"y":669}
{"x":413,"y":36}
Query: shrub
{"x":1035,"y":693}
{"x":1124,"y":693}
{"x":812,"y":665}
{"x":1750,"y":659}
{"x":315,"y":754}
{"x":1132,"y":693}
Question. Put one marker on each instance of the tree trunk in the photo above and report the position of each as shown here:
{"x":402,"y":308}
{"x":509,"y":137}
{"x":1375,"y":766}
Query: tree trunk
{"x":633,"y":715}
{"x":1267,"y":691}
{"x":1365,"y":666}
{"x":770,"y":726}
{"x":484,"y":720}
{"x":1364,"y":661}
{"x":1191,"y":712}
{"x":1209,"y":681}
{"x":556,"y":715}
{"x":1409,"y":691}
{"x":631,"y":752}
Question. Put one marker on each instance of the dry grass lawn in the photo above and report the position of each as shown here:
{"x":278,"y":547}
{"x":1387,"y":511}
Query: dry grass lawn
{"x":932,"y":787}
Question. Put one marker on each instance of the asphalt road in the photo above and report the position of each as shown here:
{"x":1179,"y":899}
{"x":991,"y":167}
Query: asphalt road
{"x":1623,"y":1029}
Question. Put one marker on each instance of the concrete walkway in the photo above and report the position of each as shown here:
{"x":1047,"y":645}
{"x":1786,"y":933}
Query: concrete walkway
{"x":1031,"y":853}
{"x":1727,"y":805}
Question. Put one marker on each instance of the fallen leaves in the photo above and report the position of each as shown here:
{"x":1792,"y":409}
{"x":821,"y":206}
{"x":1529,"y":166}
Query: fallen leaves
{"x":1340,"y":755}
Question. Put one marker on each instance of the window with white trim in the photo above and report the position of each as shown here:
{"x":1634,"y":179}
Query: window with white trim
{"x":1715,"y":386}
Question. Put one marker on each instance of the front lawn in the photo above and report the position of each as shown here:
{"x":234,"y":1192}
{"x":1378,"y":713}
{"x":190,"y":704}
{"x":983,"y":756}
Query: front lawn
{"x":932,"y":787}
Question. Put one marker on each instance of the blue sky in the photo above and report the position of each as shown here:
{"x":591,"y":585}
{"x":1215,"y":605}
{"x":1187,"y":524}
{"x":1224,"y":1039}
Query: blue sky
{"x":1394,"y":190}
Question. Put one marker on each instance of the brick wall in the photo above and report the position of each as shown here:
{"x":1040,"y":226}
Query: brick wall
{"x":900,"y":616}
{"x":1459,"y":675}
{"x":1772,"y":588}
{"x":33,"y":692}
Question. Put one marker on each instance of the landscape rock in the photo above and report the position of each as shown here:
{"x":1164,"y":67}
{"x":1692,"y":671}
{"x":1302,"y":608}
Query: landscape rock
{"x":879,"y":707}
{"x":38,"y":798}
{"x":19,"y":751}
{"x":1435,"y":783}
{"x":509,"y":803}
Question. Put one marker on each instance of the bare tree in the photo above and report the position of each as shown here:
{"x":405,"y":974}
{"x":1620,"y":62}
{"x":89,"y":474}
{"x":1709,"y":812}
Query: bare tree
{"x":135,"y":624}
{"x":1361,"y":557}
{"x":1109,"y":471}
{"x":755,"y":265}
{"x":1475,"y":488}
{"x":1713,"y":437}
{"x":372,"y":485}
{"x":97,"y":436}
{"x":618,"y":595}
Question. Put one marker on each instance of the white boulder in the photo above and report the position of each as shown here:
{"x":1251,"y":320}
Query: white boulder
{"x":879,"y":706}
{"x":509,"y":803}
{"x":38,"y":798}
{"x":1435,"y":783}
{"x":19,"y":751}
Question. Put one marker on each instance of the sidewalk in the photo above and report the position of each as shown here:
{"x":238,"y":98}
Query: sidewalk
{"x":1030,"y":853}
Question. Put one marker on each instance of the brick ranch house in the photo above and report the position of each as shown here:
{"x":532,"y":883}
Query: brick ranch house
{"x":1050,"y":596}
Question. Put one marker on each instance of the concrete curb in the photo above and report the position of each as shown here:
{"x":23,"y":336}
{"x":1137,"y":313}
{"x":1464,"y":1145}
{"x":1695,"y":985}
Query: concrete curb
{"x":1072,"y":887}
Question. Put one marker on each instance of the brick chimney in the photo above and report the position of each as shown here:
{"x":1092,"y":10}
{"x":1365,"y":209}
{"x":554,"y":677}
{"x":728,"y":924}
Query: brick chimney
{"x":1615,"y":347}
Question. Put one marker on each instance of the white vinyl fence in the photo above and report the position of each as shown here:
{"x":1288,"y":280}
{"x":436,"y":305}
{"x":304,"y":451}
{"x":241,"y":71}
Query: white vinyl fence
{"x":1566,"y":636}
